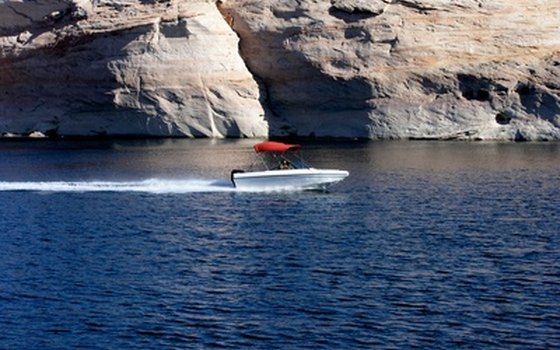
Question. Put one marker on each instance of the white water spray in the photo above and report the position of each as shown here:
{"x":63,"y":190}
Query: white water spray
{"x":148,"y":186}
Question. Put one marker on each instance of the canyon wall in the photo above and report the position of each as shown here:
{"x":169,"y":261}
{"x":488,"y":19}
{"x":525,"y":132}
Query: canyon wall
{"x":377,"y":69}
{"x":169,"y":68}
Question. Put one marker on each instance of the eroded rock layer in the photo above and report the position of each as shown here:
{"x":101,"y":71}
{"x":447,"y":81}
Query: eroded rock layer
{"x":167,"y":68}
{"x":485,"y":69}
{"x":461,"y":69}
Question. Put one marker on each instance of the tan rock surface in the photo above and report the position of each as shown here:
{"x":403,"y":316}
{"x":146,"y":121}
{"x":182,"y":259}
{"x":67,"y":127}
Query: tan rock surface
{"x":485,"y":69}
{"x":168,"y":68}
{"x":453,"y":69}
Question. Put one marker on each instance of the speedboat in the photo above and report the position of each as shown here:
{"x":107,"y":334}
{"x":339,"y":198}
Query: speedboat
{"x":283,"y":169}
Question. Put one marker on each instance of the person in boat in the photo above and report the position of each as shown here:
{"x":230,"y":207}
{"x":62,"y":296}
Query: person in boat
{"x":284,"y":165}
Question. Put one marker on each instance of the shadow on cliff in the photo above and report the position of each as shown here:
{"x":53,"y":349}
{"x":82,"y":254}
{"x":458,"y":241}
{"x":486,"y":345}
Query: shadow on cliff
{"x":540,"y":102}
{"x":300,"y":99}
{"x":65,"y":88}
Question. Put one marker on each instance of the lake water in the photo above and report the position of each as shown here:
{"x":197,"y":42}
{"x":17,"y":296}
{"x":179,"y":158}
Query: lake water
{"x":145,"y":245}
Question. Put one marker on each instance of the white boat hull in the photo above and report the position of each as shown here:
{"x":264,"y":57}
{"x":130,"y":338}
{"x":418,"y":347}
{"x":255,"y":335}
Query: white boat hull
{"x":288,"y":180}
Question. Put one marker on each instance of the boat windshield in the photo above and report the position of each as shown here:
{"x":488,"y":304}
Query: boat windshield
{"x":284,"y":160}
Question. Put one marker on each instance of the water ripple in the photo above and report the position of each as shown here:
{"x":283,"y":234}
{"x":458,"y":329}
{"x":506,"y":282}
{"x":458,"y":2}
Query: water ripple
{"x":398,"y":257}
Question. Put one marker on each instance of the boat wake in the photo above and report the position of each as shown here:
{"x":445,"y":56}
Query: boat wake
{"x":147,"y":186}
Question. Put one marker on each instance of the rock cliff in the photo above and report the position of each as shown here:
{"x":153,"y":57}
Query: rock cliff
{"x":168,"y":68}
{"x":434,"y":69}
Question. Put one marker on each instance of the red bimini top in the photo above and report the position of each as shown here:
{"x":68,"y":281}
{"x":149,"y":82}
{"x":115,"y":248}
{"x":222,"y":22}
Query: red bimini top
{"x":271,"y":146}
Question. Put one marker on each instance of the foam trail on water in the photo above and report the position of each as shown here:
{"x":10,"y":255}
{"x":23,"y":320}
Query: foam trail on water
{"x":149,"y":186}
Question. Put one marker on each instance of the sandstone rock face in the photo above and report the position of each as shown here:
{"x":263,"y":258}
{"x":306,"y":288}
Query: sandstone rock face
{"x":436,"y":69}
{"x":166,"y":68}
{"x":460,"y":69}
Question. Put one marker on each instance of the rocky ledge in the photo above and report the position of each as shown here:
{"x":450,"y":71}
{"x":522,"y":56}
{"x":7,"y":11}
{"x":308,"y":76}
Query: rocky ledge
{"x":377,"y":69}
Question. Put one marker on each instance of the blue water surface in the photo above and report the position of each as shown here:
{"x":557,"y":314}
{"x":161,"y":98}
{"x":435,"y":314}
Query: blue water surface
{"x":146,"y":245}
